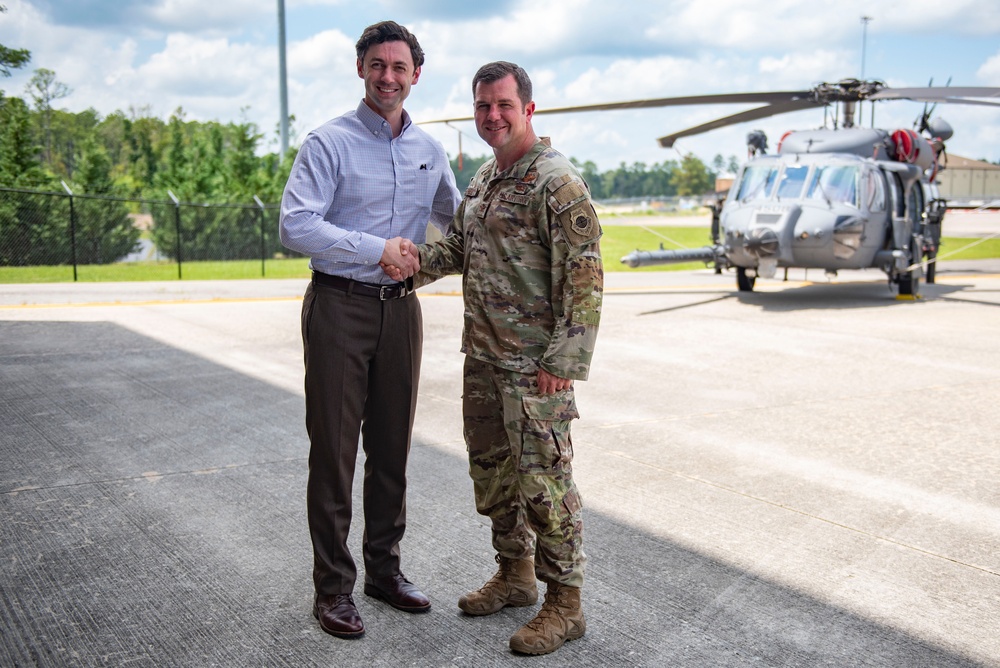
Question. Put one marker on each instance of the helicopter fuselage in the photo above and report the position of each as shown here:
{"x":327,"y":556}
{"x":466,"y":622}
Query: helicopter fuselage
{"x":827,"y":211}
{"x":851,"y":198}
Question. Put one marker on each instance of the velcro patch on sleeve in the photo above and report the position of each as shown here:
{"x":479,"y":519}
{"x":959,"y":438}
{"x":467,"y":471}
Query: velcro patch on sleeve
{"x":580,"y":224}
{"x":565,"y":194}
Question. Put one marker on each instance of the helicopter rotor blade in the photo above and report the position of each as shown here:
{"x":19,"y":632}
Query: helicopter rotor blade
{"x":963,"y":100}
{"x":772,"y":97}
{"x":954,"y":100}
{"x":749,"y":115}
{"x":921,"y":122}
{"x":930,"y":111}
{"x":722,"y":98}
{"x":781,"y":102}
{"x":938,"y":94}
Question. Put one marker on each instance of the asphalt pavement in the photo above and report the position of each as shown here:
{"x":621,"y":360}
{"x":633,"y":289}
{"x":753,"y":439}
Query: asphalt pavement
{"x":805,"y":475}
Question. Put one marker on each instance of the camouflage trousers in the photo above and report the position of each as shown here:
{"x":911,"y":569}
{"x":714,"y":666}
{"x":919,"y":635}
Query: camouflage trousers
{"x":520,"y":460}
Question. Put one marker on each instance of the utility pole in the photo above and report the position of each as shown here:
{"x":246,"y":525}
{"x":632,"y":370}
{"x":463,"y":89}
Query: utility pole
{"x":865,"y":20}
{"x":282,"y":79}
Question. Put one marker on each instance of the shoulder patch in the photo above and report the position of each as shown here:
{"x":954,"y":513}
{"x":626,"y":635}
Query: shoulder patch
{"x":566,"y":194}
{"x":580,"y":224}
{"x":558,"y":182}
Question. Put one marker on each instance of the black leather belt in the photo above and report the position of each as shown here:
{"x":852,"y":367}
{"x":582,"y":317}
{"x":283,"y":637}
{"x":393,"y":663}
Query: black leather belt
{"x":350,"y":286}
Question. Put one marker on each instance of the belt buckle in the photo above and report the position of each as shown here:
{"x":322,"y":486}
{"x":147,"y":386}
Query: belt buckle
{"x":386,"y":292}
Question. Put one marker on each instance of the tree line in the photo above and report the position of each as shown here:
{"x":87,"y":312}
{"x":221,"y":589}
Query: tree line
{"x":133,"y":155}
{"x":138,"y":156}
{"x":689,"y":176}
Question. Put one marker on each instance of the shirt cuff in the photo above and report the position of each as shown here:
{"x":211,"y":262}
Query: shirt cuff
{"x":370,"y":250}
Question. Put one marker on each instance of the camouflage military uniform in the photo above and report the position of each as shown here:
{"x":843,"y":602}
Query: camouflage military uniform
{"x":526,"y":242}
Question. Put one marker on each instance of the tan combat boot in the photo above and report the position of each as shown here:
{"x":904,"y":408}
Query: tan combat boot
{"x":513,"y":584}
{"x":559,"y":620}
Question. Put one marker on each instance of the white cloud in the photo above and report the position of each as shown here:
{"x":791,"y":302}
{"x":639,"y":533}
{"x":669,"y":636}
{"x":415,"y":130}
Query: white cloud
{"x":989,"y":72}
{"x":213,"y":59}
{"x":328,"y":55}
{"x":199,"y":15}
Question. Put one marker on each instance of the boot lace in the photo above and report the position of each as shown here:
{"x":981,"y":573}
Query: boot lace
{"x":550,"y":609}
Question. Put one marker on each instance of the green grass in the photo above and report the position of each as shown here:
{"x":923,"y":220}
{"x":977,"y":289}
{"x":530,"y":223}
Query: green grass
{"x":985,"y":250}
{"x":618,"y":240}
{"x":158,"y":271}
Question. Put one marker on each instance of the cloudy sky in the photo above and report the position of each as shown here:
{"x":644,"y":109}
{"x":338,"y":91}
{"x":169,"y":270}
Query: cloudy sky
{"x":217,"y":59}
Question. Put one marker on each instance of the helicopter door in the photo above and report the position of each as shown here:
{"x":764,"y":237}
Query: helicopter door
{"x":877,"y":206}
{"x":898,"y":210}
{"x":907,"y":239}
{"x":906,"y":224}
{"x":915,"y":206}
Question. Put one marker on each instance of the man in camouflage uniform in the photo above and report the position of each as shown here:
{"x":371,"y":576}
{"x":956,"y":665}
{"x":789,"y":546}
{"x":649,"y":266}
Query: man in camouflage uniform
{"x":525,"y":239}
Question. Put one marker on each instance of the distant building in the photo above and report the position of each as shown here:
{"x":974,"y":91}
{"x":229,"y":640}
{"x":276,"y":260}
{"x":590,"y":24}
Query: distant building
{"x":963,"y":178}
{"x":723,"y":182}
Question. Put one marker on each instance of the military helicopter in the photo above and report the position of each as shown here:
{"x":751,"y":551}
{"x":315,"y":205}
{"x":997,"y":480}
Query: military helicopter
{"x":845,"y":197}
{"x":834,"y":198}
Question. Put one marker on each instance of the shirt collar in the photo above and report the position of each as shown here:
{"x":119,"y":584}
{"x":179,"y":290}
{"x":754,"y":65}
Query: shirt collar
{"x":521,"y":167}
{"x":375,"y":123}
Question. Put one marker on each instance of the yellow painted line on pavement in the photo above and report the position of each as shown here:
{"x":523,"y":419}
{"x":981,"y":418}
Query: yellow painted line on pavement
{"x":760,"y":287}
{"x":150,"y":302}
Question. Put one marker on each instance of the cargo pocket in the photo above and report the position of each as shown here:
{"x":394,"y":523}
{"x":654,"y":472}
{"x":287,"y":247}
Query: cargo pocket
{"x":546,"y":448}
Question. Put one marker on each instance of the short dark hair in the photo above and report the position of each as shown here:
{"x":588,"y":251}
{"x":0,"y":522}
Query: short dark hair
{"x":495,"y":71}
{"x":389,"y":31}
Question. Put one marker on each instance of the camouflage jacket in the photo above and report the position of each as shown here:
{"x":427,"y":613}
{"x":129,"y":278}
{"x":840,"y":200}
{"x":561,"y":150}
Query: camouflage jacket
{"x":527,"y":244}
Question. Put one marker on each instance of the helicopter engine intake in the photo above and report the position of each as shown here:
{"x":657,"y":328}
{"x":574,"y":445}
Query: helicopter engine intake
{"x":912,"y":148}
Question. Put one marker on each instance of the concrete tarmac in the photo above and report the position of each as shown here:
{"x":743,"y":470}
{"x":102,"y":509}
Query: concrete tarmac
{"x":801,"y":476}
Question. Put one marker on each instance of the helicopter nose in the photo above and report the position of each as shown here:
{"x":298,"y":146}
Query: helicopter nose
{"x":762,"y":242}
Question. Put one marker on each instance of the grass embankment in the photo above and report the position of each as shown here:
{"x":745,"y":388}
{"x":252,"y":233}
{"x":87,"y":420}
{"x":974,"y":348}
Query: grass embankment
{"x":618,"y":240}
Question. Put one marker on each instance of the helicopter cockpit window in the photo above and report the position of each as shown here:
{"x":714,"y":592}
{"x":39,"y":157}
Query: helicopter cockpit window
{"x":874,"y":191}
{"x":835,"y":183}
{"x":792,"y":180}
{"x":757,"y":182}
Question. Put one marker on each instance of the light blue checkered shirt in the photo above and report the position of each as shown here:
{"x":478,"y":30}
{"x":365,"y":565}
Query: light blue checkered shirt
{"x":353,"y":186}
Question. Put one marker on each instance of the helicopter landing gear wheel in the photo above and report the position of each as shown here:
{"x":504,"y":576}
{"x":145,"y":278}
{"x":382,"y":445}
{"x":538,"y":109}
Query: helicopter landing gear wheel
{"x":744,"y":282}
{"x":909,"y":284}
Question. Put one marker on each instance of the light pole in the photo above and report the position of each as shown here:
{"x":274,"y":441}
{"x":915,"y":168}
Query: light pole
{"x":282,"y":79}
{"x":865,"y":20}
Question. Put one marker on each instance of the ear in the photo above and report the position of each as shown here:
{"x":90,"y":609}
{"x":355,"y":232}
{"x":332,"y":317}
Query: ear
{"x":416,"y":75}
{"x":361,"y":69}
{"x":529,"y":110}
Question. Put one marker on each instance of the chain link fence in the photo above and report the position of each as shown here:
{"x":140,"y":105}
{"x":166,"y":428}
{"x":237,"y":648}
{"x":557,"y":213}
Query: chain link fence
{"x":49,"y":236}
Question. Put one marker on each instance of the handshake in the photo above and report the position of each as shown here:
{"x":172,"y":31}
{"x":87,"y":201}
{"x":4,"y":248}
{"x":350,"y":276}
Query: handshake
{"x":400,"y":259}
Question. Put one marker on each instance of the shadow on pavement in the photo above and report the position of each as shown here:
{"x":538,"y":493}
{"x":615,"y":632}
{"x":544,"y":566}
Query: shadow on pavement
{"x":153,"y":513}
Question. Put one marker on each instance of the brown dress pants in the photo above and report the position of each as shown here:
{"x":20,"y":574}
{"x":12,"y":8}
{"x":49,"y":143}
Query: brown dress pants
{"x":362,"y":359}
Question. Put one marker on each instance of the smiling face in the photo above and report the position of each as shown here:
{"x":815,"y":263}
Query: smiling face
{"x":388,"y":73}
{"x":503,"y":121}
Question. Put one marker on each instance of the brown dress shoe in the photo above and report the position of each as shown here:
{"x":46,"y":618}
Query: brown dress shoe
{"x":398,"y":592}
{"x":338,"y":616}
